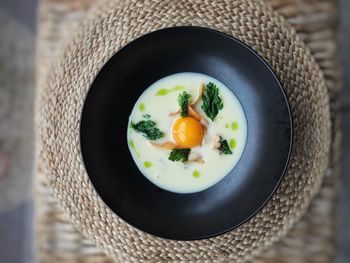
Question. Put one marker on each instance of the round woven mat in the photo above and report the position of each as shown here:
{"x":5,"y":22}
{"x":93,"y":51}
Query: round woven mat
{"x":111,"y":25}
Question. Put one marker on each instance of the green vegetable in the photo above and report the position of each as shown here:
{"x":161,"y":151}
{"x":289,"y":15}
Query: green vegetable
{"x":148,"y":129}
{"x":224,"y":148}
{"x":177,"y":155}
{"x":212,"y":103}
{"x":164,"y":92}
{"x":146,"y":116}
{"x":183,"y":101}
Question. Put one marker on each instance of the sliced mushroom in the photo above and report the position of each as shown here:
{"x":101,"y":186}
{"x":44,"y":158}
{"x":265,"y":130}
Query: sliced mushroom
{"x":199,"y":160}
{"x":165,"y":145}
{"x":195,"y":157}
{"x":199,"y":96}
{"x":204,"y":122}
{"x":174,"y":113}
{"x":192,"y":113}
{"x":216,"y":141}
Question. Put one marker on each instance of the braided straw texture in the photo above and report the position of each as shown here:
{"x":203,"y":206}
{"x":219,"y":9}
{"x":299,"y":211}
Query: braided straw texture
{"x":113,"y":24}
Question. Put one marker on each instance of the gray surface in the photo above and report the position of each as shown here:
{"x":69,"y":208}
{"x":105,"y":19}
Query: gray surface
{"x":15,"y":225}
{"x":16,"y":235}
{"x":343,"y":255}
{"x":24,"y":11}
{"x":17,"y":48}
{"x":345,"y":41}
{"x":16,"y":112}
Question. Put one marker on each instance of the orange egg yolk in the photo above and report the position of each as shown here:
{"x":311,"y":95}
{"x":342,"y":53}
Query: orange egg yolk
{"x":187,"y":132}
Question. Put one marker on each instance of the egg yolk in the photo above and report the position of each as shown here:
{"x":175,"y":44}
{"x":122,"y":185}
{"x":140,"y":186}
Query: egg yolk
{"x":187,"y":132}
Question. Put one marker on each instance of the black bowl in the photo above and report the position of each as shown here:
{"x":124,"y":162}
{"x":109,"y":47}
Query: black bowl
{"x":227,"y":204}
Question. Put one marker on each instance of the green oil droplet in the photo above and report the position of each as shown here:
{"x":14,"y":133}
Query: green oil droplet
{"x":132,"y":144}
{"x":234,"y":125}
{"x":147,"y":164}
{"x":177,"y":88}
{"x":196,"y":174}
{"x":130,"y":128}
{"x":233,"y":143}
{"x":227,"y":125}
{"x":142,"y":107}
{"x":164,"y":92}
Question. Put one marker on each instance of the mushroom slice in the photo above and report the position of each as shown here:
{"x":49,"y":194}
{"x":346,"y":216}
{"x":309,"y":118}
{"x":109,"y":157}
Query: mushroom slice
{"x":174,"y":113}
{"x":192,"y":113}
{"x":216,"y":142}
{"x":165,"y":145}
{"x":199,"y":160}
{"x":199,"y":96}
{"x":195,"y":157}
{"x":195,"y":115}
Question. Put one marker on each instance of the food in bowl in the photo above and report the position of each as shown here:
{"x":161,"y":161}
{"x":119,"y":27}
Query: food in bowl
{"x":186,"y":132}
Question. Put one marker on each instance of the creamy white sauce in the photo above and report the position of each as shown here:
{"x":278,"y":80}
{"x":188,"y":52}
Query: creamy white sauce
{"x":179,"y":177}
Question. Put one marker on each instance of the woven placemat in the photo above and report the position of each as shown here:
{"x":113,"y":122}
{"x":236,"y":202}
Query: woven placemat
{"x":236,"y":246}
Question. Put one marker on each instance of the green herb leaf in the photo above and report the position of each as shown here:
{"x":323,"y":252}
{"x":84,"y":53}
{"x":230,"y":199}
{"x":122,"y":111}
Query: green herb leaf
{"x":183,"y":101}
{"x":224,"y":148}
{"x":146,"y":116}
{"x":148,"y":129}
{"x":177,"y":155}
{"x":212,"y":103}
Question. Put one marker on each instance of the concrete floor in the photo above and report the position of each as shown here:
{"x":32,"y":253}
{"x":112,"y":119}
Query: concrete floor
{"x":16,"y":238}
